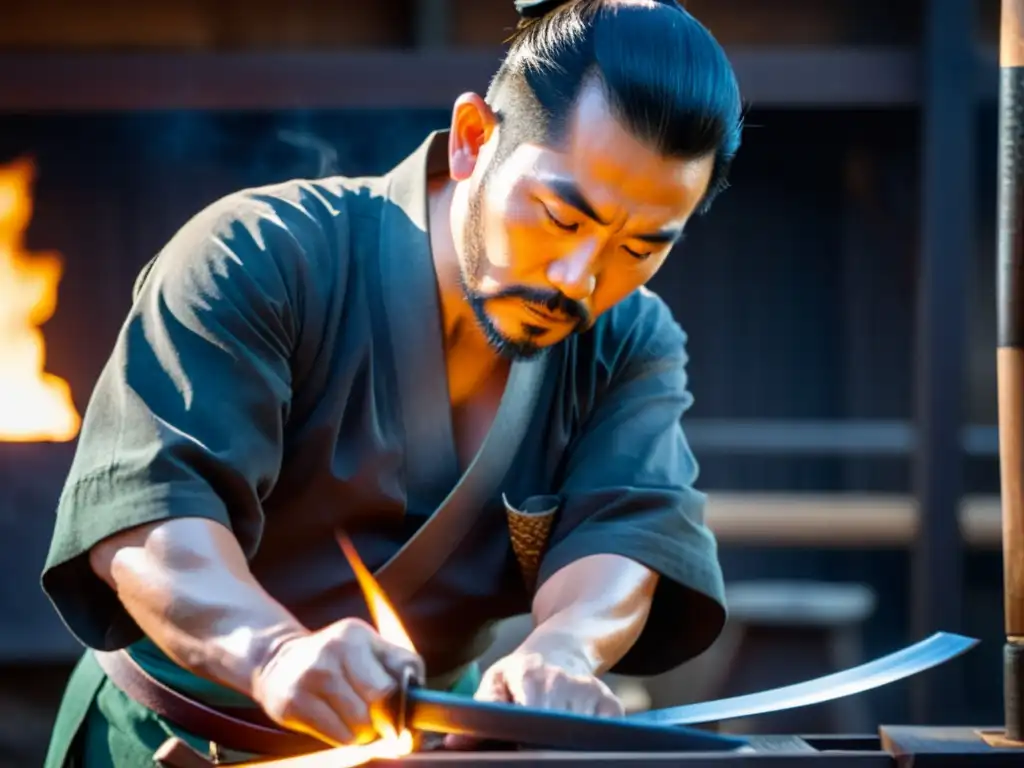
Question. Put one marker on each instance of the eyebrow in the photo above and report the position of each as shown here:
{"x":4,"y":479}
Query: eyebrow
{"x":571,"y":195}
{"x":669,"y":236}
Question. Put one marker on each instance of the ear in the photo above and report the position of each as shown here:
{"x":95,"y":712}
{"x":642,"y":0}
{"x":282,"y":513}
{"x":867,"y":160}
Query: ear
{"x":473,"y":124}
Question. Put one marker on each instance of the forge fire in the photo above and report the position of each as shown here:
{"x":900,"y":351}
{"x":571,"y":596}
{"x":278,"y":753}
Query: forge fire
{"x":35,"y":406}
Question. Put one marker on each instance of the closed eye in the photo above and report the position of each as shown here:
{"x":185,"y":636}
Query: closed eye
{"x":558,"y":222}
{"x":636,"y":254}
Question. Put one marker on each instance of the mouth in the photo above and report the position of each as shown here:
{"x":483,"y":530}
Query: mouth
{"x":546,"y":317}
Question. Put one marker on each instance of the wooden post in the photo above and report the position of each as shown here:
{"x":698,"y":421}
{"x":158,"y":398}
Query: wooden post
{"x":1010,"y":358}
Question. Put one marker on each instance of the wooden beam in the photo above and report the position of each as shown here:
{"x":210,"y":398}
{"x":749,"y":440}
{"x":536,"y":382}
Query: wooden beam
{"x":854,"y":521}
{"x":811,"y":437}
{"x":48,"y":82}
{"x":203,"y":24}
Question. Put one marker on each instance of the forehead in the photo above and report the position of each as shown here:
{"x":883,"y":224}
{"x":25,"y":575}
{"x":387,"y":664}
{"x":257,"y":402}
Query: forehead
{"x":613,"y":168}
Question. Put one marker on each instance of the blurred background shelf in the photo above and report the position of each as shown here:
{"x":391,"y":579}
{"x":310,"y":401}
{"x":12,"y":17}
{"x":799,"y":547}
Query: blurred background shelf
{"x":841,"y":521}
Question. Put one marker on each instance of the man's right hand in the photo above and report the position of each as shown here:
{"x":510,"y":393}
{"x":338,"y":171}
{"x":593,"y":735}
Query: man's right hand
{"x":187,"y":584}
{"x":327,"y":683}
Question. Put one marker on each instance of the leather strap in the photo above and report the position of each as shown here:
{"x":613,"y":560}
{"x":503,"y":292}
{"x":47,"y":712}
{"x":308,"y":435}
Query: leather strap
{"x":209,"y":724}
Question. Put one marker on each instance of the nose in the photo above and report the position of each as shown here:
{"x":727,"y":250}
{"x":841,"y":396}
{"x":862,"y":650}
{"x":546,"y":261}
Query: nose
{"x":575,"y":273}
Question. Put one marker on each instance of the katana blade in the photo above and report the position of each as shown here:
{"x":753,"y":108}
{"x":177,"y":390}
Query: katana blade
{"x":930,"y":652}
{"x":441,"y":712}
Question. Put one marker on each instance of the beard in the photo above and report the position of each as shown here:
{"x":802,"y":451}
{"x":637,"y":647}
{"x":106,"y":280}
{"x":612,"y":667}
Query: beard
{"x":474,"y":242}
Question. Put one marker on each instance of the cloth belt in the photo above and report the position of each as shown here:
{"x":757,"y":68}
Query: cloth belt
{"x":242,"y":730}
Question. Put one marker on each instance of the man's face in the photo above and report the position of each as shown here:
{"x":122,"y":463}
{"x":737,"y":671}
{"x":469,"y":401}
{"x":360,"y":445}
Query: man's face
{"x":555,"y":236}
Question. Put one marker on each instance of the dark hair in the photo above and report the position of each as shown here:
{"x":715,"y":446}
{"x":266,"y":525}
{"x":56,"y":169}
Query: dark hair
{"x":664,"y":74}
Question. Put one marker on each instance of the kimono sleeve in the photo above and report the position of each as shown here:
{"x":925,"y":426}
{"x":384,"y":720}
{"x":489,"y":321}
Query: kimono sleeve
{"x":628,"y":490}
{"x":187,"y":416}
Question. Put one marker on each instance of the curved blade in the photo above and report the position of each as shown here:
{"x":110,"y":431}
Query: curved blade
{"x":441,"y":712}
{"x":928,"y":653}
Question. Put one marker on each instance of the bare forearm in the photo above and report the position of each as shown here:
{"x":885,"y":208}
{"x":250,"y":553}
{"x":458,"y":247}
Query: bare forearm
{"x":187,"y":585}
{"x":590,"y":613}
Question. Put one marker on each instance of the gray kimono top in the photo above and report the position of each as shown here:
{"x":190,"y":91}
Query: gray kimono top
{"x":258,"y":380}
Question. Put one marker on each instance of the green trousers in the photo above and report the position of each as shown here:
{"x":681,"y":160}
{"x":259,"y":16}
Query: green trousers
{"x":98,"y":726}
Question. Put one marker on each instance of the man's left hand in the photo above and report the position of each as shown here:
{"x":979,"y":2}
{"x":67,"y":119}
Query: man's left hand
{"x":530,"y":679}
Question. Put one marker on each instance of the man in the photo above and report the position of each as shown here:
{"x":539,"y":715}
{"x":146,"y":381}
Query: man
{"x":319,"y":357}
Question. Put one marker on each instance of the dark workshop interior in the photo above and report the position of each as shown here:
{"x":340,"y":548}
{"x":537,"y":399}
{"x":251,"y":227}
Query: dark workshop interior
{"x":839,"y":300}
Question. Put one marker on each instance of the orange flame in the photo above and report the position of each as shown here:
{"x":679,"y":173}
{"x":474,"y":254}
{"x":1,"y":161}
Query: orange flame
{"x":345,"y":757}
{"x":34,"y":405}
{"x":391,"y":745}
{"x":385,"y":617}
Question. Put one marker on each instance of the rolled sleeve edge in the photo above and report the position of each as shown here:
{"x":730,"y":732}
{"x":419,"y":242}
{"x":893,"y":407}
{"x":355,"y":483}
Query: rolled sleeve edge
{"x":681,"y":561}
{"x":85,"y":604}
